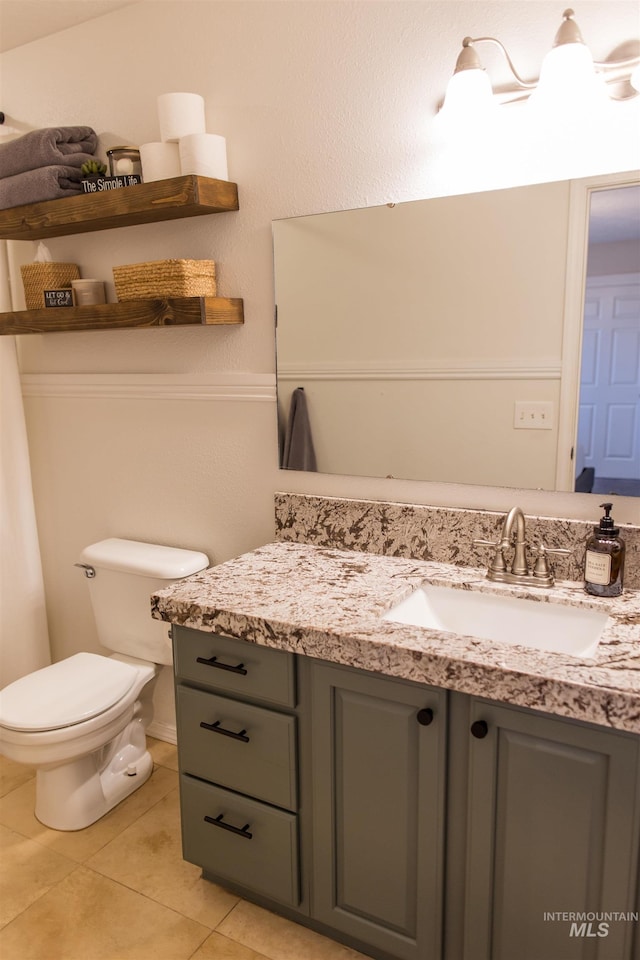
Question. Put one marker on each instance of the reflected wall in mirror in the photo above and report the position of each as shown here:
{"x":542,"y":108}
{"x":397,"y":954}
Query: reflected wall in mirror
{"x":431,"y":337}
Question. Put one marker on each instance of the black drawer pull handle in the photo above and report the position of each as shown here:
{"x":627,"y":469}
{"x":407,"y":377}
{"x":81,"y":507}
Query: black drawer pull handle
{"x":225,"y":733}
{"x":239,"y":831}
{"x":479,"y":729}
{"x":214,"y":662}
{"x":425,"y":716}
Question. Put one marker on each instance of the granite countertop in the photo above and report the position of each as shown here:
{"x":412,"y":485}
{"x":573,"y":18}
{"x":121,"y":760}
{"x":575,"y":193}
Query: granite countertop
{"x":327,"y":603}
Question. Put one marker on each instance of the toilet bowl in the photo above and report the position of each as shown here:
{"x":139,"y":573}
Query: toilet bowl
{"x":82,"y":721}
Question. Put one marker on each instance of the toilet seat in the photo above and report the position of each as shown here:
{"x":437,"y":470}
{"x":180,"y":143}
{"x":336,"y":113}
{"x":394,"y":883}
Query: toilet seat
{"x":72,"y":691}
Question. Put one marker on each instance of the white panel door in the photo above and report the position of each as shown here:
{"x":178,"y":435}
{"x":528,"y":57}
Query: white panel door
{"x":609,"y":421}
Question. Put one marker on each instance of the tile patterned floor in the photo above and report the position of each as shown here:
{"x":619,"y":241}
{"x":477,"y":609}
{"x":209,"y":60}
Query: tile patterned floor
{"x":120,"y":890}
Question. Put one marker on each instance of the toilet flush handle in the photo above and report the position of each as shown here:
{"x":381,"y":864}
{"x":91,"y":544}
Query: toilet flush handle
{"x":89,"y":571}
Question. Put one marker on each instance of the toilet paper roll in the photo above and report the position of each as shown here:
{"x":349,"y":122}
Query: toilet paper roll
{"x":159,"y":161}
{"x":204,"y":154}
{"x":180,"y":114}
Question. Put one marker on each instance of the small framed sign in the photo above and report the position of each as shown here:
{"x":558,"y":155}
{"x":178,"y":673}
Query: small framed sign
{"x":58,"y":298}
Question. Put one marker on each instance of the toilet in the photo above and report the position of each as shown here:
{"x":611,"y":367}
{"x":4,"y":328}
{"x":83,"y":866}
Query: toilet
{"x":82,"y":722}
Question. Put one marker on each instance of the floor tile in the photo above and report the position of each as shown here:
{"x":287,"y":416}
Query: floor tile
{"x":128,"y":865}
{"x":28,"y":871}
{"x":13,"y":775}
{"x":109,"y":923}
{"x":16,"y":812}
{"x":280,"y":939}
{"x":147,"y":857}
{"x":217,"y":947}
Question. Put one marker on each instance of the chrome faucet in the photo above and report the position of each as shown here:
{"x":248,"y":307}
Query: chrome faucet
{"x":519,"y":571}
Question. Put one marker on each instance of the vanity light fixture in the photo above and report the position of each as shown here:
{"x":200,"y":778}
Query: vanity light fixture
{"x":568,"y":76}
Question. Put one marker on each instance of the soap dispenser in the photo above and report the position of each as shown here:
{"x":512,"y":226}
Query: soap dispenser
{"x":604,"y":560}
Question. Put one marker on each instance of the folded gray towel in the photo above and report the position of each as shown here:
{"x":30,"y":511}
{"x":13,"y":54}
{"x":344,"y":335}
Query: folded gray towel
{"x":47,"y":183}
{"x":42,"y":148}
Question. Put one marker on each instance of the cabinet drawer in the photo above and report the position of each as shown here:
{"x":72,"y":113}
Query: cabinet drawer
{"x":250,"y":749}
{"x":260,"y":852}
{"x":235,"y":666}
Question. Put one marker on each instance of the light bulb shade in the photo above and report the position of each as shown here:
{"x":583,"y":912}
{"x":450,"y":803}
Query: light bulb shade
{"x":568,"y":79}
{"x":468,"y":93}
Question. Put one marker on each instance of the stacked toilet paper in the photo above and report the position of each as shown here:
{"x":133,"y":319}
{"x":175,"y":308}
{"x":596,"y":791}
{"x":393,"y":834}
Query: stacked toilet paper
{"x":185,"y":146}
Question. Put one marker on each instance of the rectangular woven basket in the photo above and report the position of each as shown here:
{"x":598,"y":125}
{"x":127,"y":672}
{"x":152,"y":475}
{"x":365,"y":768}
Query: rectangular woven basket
{"x":165,"y":278}
{"x":49,"y":275}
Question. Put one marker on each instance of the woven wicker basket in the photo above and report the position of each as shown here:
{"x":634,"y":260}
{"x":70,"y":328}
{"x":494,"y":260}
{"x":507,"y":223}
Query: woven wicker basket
{"x":38,"y":277}
{"x":165,"y":278}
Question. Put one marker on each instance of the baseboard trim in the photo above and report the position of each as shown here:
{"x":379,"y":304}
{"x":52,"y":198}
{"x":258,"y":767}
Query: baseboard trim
{"x":163,"y":731}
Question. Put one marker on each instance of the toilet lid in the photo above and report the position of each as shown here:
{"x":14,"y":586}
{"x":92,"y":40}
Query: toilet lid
{"x":68,"y":692}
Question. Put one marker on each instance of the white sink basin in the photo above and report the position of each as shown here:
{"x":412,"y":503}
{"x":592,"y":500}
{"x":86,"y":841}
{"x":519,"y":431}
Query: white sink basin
{"x":529,"y":623}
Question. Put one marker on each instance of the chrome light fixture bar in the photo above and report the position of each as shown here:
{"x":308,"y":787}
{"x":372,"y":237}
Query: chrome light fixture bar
{"x":568,"y":65}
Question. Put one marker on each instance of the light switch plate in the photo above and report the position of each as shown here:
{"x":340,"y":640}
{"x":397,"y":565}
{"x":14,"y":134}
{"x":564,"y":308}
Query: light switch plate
{"x":533,"y":415}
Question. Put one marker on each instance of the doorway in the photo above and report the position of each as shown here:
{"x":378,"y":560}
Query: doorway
{"x":608,"y":435}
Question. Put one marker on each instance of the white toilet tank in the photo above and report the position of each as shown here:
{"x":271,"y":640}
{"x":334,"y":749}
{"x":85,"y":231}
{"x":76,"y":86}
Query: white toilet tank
{"x":126,"y":574}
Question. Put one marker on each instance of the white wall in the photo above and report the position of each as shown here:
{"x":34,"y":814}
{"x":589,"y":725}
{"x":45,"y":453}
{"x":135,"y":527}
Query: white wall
{"x":325,"y":105}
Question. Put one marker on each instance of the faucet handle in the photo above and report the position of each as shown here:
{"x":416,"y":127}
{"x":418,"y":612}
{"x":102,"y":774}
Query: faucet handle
{"x":559,"y":550}
{"x":541,"y":567}
{"x":498,"y":564}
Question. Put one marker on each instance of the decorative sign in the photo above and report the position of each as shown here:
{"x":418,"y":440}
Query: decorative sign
{"x":101,"y":184}
{"x":58,"y":298}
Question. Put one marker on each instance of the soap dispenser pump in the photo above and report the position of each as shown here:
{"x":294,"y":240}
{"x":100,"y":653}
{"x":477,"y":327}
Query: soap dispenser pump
{"x":604,"y":560}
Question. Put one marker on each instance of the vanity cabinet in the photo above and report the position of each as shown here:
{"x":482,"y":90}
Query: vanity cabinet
{"x":409,"y":822}
{"x":379,"y":771}
{"x":551,"y":824}
{"x":237,"y":751}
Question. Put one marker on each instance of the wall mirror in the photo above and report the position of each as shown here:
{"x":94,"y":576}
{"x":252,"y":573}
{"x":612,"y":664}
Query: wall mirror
{"x":461,"y":339}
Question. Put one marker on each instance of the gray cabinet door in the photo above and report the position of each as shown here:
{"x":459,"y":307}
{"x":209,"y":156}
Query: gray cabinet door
{"x":378,"y":794}
{"x":552,"y":838}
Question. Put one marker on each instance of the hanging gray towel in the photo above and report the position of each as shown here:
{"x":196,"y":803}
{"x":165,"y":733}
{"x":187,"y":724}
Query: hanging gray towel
{"x":298,"y":442}
{"x":70,"y":146}
{"x":47,"y":183}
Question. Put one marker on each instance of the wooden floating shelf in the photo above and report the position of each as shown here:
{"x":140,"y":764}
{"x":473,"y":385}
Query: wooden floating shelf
{"x":178,"y":311}
{"x":172,"y":199}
